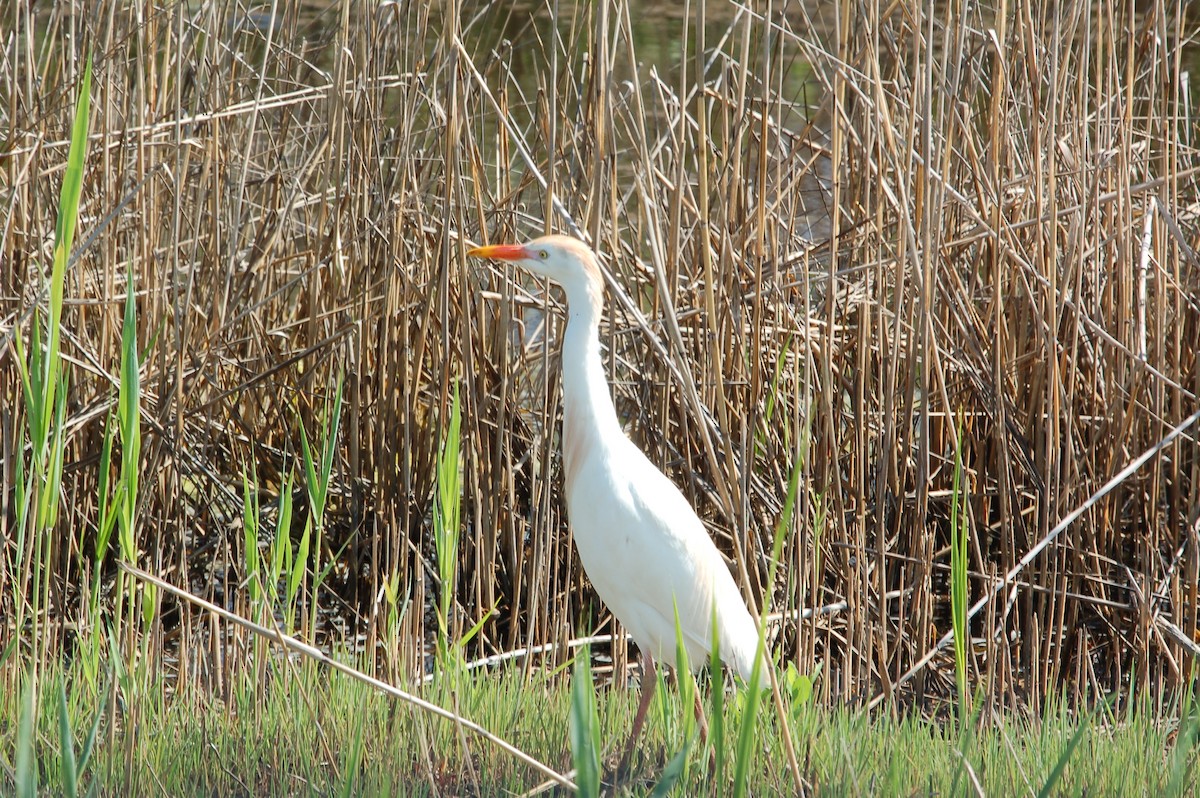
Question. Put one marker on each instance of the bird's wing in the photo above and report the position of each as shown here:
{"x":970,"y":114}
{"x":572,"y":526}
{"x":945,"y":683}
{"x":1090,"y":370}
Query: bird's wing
{"x":647,"y":553}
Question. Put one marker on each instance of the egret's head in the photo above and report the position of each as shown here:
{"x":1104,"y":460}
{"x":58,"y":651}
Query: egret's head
{"x":565,"y":260}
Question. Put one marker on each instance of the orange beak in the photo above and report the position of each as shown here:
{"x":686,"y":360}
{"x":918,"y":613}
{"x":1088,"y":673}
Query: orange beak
{"x":500,"y":252}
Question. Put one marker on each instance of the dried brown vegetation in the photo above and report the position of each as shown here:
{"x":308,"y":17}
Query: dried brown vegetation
{"x":855,"y":233}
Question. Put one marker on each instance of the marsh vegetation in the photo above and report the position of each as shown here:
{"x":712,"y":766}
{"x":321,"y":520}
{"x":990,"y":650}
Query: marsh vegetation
{"x":935,"y":266}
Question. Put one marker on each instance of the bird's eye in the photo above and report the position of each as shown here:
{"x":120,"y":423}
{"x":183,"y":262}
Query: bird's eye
{"x":543,"y":254}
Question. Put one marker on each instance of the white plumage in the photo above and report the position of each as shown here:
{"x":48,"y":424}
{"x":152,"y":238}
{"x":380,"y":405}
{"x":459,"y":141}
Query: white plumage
{"x":641,"y":543}
{"x":646,"y":552}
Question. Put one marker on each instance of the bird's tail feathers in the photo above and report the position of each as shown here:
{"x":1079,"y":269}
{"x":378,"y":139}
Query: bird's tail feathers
{"x":740,"y":656}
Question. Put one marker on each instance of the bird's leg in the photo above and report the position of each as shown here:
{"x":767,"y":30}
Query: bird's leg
{"x":649,"y":681}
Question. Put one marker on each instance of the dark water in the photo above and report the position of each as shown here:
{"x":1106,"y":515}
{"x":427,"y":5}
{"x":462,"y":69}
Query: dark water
{"x":663,"y":38}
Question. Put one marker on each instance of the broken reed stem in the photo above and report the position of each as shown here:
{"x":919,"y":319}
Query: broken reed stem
{"x":291,"y":643}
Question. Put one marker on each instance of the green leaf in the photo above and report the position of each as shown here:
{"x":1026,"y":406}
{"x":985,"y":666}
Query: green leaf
{"x":26,"y":764}
{"x":717,"y":721}
{"x":331,"y":437}
{"x":281,"y":544}
{"x":799,"y":685}
{"x":300,"y":563}
{"x":64,"y":234}
{"x":683,"y":670}
{"x":85,"y":753}
{"x":129,"y":418}
{"x":250,"y":539}
{"x":107,"y":519}
{"x":48,"y":511}
{"x":316,"y":496}
{"x":30,"y":372}
{"x":746,"y":738}
{"x":1183,"y":757}
{"x":353,"y":761}
{"x":446,"y":519}
{"x":1061,"y":765}
{"x":677,"y":767}
{"x":67,"y":765}
{"x":474,"y":630}
{"x":958,"y":574}
{"x":149,"y":604}
{"x":585,"y":728}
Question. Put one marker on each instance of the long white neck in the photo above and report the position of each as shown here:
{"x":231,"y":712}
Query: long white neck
{"x":589,"y":419}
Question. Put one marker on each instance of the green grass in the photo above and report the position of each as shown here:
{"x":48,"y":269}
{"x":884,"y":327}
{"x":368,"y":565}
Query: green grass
{"x":361,"y":741}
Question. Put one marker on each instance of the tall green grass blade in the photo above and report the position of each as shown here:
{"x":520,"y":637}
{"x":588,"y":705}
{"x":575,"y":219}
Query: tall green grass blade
{"x":469,"y":635}
{"x":318,"y":476}
{"x":26,"y":765}
{"x":281,"y":543}
{"x":283,"y":527}
{"x":773,"y":396}
{"x":9,"y":649}
{"x":149,"y":608}
{"x":1182,"y":763}
{"x":746,"y":736}
{"x":353,"y":761}
{"x":744,"y":753}
{"x":316,"y":511}
{"x":89,"y":744}
{"x":716,"y":723}
{"x":968,"y":721}
{"x":299,"y":566}
{"x":108,"y":519}
{"x":43,"y":382}
{"x":1065,"y":757}
{"x":129,"y":416}
{"x":1188,"y":703}
{"x":29,"y":367}
{"x":313,"y":485}
{"x":250,"y":516}
{"x":22,"y":496}
{"x":446,"y":520}
{"x":48,"y":506}
{"x":316,"y":472}
{"x":64,"y":235}
{"x":395,"y":608}
{"x":68,"y":771}
{"x":584,"y":726}
{"x":958,"y":575}
{"x":683,"y":670}
{"x":333,"y":428}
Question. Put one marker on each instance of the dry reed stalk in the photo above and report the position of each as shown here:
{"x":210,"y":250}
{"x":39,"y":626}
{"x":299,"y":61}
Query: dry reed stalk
{"x":823,"y":237}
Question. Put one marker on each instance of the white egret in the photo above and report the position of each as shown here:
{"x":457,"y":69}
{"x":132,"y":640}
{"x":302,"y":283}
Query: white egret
{"x":641,"y":543}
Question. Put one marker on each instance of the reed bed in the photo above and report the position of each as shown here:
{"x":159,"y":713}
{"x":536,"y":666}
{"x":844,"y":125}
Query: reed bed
{"x":852,"y":243}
